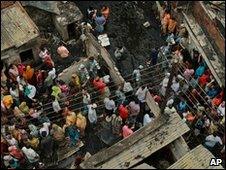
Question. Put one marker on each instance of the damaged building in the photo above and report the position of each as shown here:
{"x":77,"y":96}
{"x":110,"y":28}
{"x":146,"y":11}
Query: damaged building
{"x":162,"y":143}
{"x":63,"y":15}
{"x":19,"y":35}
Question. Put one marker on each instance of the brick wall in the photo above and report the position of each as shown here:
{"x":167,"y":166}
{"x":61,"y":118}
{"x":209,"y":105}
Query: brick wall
{"x":209,"y":26}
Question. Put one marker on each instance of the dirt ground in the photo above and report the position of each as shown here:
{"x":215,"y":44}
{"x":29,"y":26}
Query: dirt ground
{"x":125,"y":27}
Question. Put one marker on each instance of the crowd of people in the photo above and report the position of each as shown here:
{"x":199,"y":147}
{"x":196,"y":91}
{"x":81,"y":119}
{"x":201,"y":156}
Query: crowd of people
{"x":195,"y":94}
{"x":31,"y":134}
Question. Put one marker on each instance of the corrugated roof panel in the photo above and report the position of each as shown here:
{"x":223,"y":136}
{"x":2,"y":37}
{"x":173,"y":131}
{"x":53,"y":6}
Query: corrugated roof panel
{"x":17,"y":28}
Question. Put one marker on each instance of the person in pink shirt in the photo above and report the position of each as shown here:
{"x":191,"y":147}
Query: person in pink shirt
{"x":188,"y":73}
{"x":127,"y":130}
{"x":63,"y":51}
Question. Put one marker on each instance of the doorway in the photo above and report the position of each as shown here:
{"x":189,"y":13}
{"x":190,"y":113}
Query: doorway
{"x":71,"y":29}
{"x":27,"y":56}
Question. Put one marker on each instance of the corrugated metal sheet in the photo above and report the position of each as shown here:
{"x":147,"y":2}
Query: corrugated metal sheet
{"x":49,"y":6}
{"x":17,"y":28}
{"x":198,"y":158}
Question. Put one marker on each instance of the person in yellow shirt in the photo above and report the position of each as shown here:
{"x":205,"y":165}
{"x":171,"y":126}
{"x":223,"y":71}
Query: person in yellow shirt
{"x":33,"y":142}
{"x":76,"y":81}
{"x":28,"y":73}
{"x":81,"y":123}
{"x":7,"y":101}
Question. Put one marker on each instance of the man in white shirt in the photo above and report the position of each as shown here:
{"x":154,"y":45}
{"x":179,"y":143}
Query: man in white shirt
{"x":175,"y":86}
{"x":109,"y":106}
{"x":148,"y":117}
{"x":164,"y":84}
{"x":137,"y":75}
{"x":142,"y":93}
{"x":212,"y":140}
{"x":127,"y":89}
{"x":92,"y":115}
{"x":50,"y":78}
{"x":221,"y":109}
{"x":141,"y":96}
{"x":55,"y":104}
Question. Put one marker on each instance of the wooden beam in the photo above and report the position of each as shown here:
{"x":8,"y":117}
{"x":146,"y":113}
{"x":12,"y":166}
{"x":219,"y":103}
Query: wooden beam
{"x":198,"y":158}
{"x":140,"y":145}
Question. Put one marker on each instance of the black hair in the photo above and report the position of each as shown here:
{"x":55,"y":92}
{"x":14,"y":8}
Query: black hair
{"x":99,"y":14}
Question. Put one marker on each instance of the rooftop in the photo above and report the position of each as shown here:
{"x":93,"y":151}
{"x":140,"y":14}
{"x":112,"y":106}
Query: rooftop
{"x":69,"y":13}
{"x":197,"y":158}
{"x":17,"y":28}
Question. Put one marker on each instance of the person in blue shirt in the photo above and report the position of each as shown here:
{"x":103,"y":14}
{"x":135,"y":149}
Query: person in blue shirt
{"x":200,"y":70}
{"x":99,"y":21}
{"x":182,"y":106}
{"x":154,"y":56}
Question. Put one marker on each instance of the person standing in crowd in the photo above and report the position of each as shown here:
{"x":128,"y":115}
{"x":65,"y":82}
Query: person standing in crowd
{"x":109,"y":106}
{"x":105,"y":10}
{"x":212,"y":140}
{"x":154,"y":56}
{"x":127,"y":130}
{"x":148,"y":117}
{"x":120,"y":96}
{"x":100,"y":21}
{"x":92,"y":115}
{"x":84,"y":75}
{"x":91,"y":14}
{"x":137,"y":75}
{"x":46,"y":57}
{"x":123,"y":112}
{"x":120,"y":55}
{"x":127,"y":89}
{"x":63,"y":51}
{"x":93,"y":67}
{"x":141,"y":94}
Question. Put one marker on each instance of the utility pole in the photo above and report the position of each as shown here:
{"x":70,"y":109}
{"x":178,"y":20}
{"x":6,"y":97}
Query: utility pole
{"x":173,"y":73}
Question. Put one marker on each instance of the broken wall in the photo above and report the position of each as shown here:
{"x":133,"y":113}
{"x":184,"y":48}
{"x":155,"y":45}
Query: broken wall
{"x":209,"y":26}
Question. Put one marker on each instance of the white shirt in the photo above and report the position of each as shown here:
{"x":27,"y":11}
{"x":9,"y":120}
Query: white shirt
{"x":92,"y":115}
{"x":30,"y":154}
{"x":211,"y":141}
{"x":147,"y":119}
{"x":52,"y":73}
{"x":141,"y":94}
{"x":86,"y":98}
{"x":14,"y":93}
{"x":137,"y":75}
{"x":127,"y":87}
{"x":106,"y":79}
{"x":43,"y":54}
{"x":94,"y":64}
{"x":175,"y":86}
{"x":221,"y":110}
{"x":165,"y":82}
{"x":109,"y":104}
{"x":56,"y":106}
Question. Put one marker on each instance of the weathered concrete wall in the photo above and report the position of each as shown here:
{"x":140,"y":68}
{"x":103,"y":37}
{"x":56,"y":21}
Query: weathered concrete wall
{"x":61,"y":29}
{"x":209,"y":25}
{"x":93,"y":48}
